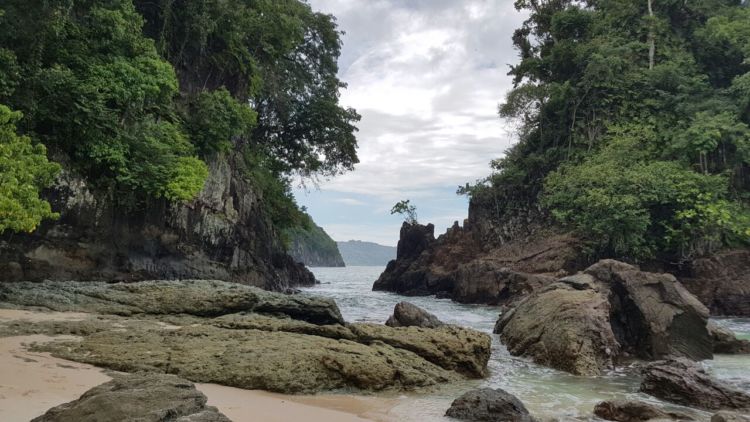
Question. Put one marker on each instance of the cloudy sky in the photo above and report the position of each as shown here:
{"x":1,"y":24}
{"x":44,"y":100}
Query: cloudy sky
{"x":426,"y":76}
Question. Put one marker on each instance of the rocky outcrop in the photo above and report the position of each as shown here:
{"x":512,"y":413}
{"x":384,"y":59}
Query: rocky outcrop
{"x":138,"y":398}
{"x":721,"y":282}
{"x":635,"y":411}
{"x":684,"y":382}
{"x":241,"y":336}
{"x":725,"y":416}
{"x":461,"y":266}
{"x":224,"y":233}
{"x":488,"y":405}
{"x":313,"y":247}
{"x":587,"y":322}
{"x":406,"y":314}
{"x":725,"y":342}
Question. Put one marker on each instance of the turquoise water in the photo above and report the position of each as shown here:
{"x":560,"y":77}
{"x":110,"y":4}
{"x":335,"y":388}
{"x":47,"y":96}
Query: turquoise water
{"x":546,"y":392}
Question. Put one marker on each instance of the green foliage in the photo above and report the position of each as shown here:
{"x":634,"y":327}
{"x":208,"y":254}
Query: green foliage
{"x":24,"y":171}
{"x":311,"y":237}
{"x":215,"y":118}
{"x":187,"y":178}
{"x":405,"y":209}
{"x":644,"y":159}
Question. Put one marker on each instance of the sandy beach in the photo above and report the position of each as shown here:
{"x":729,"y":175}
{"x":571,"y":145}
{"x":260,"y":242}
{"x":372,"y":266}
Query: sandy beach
{"x":31,"y":383}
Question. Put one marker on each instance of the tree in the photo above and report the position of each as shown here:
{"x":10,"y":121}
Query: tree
{"x":405,"y":209}
{"x":24,"y":172}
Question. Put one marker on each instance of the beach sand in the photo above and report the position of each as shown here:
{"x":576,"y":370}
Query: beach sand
{"x":31,"y":383}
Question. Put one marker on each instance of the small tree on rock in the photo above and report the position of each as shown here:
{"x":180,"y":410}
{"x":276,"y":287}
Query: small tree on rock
{"x":408,"y":211}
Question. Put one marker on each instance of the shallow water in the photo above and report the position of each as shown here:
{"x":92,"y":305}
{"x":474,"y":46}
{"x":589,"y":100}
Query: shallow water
{"x":546,"y":392}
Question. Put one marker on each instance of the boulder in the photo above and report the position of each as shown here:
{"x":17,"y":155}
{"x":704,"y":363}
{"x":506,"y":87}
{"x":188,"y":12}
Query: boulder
{"x":684,"y":382}
{"x":488,"y":405}
{"x":138,"y":398}
{"x":722,"y":282}
{"x":634,"y":411}
{"x":406,"y":314}
{"x":488,"y":282}
{"x":725,"y":342}
{"x":586,"y":322}
{"x":192,"y":297}
{"x":562,"y":327}
{"x":725,"y":416}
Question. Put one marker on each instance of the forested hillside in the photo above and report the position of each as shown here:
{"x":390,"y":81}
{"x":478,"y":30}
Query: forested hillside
{"x":633,"y":124}
{"x":157,"y":105}
{"x":309,"y":244}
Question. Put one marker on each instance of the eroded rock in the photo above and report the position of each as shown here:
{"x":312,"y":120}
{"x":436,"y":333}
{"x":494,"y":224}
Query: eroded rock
{"x":725,"y":416}
{"x":726,"y":342}
{"x":406,"y":314}
{"x":489,"y":405}
{"x":138,"y":398}
{"x":684,"y":382}
{"x":635,"y":411}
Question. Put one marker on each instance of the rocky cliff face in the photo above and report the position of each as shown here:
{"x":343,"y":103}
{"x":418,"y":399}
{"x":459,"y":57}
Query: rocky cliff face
{"x":223,"y":234}
{"x":314,"y":248}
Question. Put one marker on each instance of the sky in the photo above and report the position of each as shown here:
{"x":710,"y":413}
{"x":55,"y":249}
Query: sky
{"x":426,"y":76}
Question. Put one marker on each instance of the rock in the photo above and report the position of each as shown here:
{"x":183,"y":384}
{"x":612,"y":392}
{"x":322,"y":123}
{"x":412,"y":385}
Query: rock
{"x":138,"y":398}
{"x":725,"y":416}
{"x":488,"y":405}
{"x":587,"y":322}
{"x":488,"y":282}
{"x":725,"y":342}
{"x":225,"y":233}
{"x":722,"y":282}
{"x":192,"y":297}
{"x":653,"y":315}
{"x":684,"y":382}
{"x":634,"y":411}
{"x":448,"y":346}
{"x":406,"y":314}
{"x":562,"y":327}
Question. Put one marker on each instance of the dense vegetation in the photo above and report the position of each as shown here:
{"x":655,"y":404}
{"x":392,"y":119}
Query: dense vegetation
{"x":633,"y":124}
{"x":310,"y":244}
{"x":138,"y":95}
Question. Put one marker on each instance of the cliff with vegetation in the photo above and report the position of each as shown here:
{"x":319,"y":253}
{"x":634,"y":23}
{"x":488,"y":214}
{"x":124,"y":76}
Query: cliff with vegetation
{"x":633,"y":140}
{"x":360,"y":253}
{"x":157,"y":139}
{"x":311,"y":245}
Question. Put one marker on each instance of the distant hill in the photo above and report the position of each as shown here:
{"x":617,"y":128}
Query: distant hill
{"x":357,"y":252}
{"x":312,"y":246}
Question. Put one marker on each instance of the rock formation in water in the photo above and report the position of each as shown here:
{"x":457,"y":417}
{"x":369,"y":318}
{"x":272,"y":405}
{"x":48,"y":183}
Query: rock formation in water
{"x":138,"y":398}
{"x":223,"y":234}
{"x":489,"y":405}
{"x":725,"y":342}
{"x":635,"y":411}
{"x":406,"y":314}
{"x":588,"y":322}
{"x":241,"y":336}
{"x":722,"y":282}
{"x":313,"y":247}
{"x":684,"y":382}
{"x":359,"y":253}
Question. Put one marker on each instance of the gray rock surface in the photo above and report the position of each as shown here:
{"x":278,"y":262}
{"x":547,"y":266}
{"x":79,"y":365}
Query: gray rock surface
{"x":725,"y":342}
{"x":684,"y":382}
{"x":138,"y":398}
{"x":634,"y":411}
{"x":725,"y":416}
{"x":489,"y":405}
{"x":722,"y":282}
{"x":406,"y":314}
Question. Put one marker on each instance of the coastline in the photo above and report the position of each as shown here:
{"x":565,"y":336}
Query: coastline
{"x":33,"y":382}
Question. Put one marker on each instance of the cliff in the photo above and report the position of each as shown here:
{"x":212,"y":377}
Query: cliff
{"x":222,"y":234}
{"x":359,"y":253}
{"x":313,"y":247}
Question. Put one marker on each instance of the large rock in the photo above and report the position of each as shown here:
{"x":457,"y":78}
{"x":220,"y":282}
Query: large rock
{"x":244,"y":337}
{"x":225,"y":233}
{"x":722,"y":282}
{"x":684,"y":382}
{"x":192,"y":297}
{"x":487,"y":281}
{"x":725,"y":342}
{"x":634,"y":411}
{"x":586,"y":322}
{"x":406,"y":314}
{"x":138,"y":398}
{"x":488,"y":405}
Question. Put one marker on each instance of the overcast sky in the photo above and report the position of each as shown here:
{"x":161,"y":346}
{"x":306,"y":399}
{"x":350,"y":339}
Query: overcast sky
{"x":426,"y":76}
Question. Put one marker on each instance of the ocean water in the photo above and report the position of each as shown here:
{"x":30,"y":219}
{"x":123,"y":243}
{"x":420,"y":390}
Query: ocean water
{"x":547,"y":393}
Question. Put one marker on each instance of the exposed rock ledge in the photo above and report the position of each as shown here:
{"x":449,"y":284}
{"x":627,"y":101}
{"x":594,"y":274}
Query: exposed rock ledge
{"x":590,"y":321}
{"x":239,"y":336}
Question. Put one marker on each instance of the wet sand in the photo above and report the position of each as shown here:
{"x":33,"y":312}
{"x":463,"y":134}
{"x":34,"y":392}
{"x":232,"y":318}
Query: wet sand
{"x":31,"y":383}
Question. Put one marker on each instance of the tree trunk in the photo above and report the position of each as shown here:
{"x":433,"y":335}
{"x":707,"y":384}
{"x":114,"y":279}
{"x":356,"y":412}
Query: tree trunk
{"x":651,"y":36}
